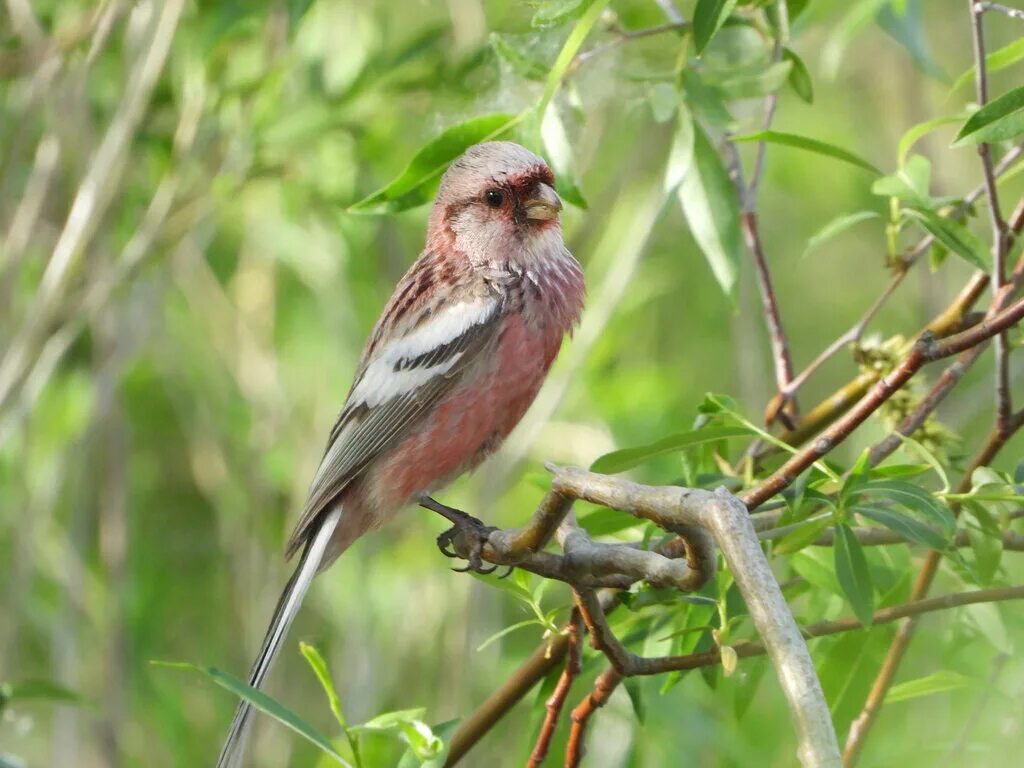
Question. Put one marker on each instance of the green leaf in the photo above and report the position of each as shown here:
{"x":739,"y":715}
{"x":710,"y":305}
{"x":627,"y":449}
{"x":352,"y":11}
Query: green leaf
{"x":572,"y":45}
{"x":524,"y":64}
{"x":837,"y":226}
{"x":938,"y":682}
{"x":905,"y":526}
{"x":709,"y":203}
{"x":802,"y":537}
{"x":627,"y":458}
{"x":421,"y":739}
{"x":910,"y":183}
{"x":915,"y":132}
{"x":663,"y":99}
{"x":323,"y":675}
{"x":853,"y":575}
{"x":556,"y":12}
{"x":705,"y":101}
{"x":636,"y":698}
{"x":507,"y":631}
{"x":986,"y":542}
{"x":810,"y":145}
{"x":1000,"y":119}
{"x":708,"y":18}
{"x":413,"y":186}
{"x":952,"y":235}
{"x":756,"y":83}
{"x":799,"y":78}
{"x":443,"y":731}
{"x":37,"y":690}
{"x":994,"y":62}
{"x":389,"y":721}
{"x":914,"y":498}
{"x":265,"y":704}
{"x":604,"y":522}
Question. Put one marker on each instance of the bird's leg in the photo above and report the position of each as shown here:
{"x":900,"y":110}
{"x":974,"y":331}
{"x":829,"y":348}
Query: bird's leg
{"x":473,"y":531}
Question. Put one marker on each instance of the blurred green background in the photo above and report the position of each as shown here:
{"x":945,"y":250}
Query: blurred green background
{"x":182,"y":379}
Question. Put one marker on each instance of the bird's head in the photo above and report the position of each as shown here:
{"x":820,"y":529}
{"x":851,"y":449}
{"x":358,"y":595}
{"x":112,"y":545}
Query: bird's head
{"x":495,"y":197}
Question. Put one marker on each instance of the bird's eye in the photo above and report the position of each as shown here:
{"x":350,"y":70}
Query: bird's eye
{"x":494,"y":198}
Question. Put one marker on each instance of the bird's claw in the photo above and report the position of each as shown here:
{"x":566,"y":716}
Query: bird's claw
{"x":475,"y":534}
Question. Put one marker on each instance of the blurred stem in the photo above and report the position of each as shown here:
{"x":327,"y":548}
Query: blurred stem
{"x":90,"y":203}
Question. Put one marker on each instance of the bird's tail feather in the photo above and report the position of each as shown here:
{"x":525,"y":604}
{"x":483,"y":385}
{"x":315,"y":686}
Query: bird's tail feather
{"x":233,"y":751}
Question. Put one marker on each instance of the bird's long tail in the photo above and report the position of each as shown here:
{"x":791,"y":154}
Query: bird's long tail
{"x":233,"y":751}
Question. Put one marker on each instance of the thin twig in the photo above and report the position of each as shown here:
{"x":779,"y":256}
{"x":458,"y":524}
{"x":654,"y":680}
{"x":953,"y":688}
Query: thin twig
{"x":605,"y":684}
{"x":1013,"y":13}
{"x":926,"y":349}
{"x":556,"y":702}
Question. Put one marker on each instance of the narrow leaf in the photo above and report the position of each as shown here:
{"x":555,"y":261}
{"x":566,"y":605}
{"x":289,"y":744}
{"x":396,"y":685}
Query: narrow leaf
{"x":915,"y":132}
{"x":521,"y":62}
{"x":627,"y":458}
{"x":556,"y":12}
{"x":906,"y":526}
{"x":995,"y":61}
{"x":953,"y":235}
{"x":708,"y":18}
{"x":572,"y":44}
{"x":837,"y":226}
{"x":265,"y":704}
{"x":853,"y":575}
{"x":810,"y":145}
{"x":712,"y":211}
{"x":1002,"y":118}
{"x":319,"y":667}
{"x":799,"y":78}
{"x":413,"y":186}
{"x":938,"y":682}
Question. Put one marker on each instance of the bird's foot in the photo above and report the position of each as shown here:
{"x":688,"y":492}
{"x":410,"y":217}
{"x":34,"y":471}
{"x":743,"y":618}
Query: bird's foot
{"x":473,"y":531}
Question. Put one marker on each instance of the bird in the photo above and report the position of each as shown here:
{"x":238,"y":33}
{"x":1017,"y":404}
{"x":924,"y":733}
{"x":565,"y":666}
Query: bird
{"x":456,"y":358}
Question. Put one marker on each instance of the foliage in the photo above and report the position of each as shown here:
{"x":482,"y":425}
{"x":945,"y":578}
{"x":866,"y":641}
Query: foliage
{"x":172,"y":353}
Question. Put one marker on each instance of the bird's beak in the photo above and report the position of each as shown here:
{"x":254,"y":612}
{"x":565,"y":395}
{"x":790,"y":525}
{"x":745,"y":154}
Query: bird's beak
{"x":544,"y":204}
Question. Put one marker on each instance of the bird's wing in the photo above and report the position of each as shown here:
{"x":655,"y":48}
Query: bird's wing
{"x":401,"y":378}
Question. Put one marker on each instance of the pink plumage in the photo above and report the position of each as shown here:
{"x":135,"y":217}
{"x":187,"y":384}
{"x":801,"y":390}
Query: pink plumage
{"x":457,"y":357}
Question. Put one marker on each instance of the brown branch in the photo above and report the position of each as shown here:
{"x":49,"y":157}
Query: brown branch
{"x":556,"y":702}
{"x":772,"y":316}
{"x":605,"y":684}
{"x":925,"y":350}
{"x":748,"y":648}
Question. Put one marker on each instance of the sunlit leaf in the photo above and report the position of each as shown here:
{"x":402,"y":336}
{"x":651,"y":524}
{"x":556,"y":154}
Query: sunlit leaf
{"x":910,"y":183}
{"x":265,"y":704}
{"x":711,"y":208}
{"x":323,"y":675}
{"x":627,"y":458}
{"x":802,"y":537}
{"x":414,"y":185}
{"x":810,"y":145}
{"x":708,"y":18}
{"x":916,"y":132}
{"x":943,"y":681}
{"x":836,"y":227}
{"x":1000,"y":119}
{"x":799,"y":78}
{"x":389,"y":721}
{"x":853,"y":575}
{"x":994,"y":62}
{"x":555,"y":12}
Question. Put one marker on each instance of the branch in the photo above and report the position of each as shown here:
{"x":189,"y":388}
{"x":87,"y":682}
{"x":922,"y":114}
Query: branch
{"x":926,"y":349}
{"x":1013,"y":13}
{"x":556,"y":701}
{"x":726,"y":518}
{"x":605,"y":684}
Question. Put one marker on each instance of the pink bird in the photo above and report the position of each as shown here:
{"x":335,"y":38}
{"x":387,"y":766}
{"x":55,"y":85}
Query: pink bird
{"x":454,"y":361}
